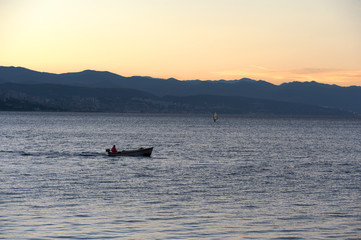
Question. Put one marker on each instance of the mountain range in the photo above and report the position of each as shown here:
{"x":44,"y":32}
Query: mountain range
{"x":24,"y":89}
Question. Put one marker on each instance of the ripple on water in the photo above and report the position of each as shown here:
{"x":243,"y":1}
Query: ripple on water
{"x":244,"y":178}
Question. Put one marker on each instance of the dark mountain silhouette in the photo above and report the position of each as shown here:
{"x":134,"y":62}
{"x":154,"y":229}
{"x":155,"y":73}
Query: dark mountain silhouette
{"x":13,"y":104}
{"x":51,"y":97}
{"x":68,"y":98}
{"x":309,"y":93}
{"x":244,"y":105}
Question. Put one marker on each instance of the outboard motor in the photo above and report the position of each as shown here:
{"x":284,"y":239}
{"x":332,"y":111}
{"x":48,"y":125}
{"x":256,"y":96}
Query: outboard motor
{"x":107,"y":150}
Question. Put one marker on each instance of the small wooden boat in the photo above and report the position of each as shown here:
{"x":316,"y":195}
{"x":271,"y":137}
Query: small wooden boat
{"x":137,"y":152}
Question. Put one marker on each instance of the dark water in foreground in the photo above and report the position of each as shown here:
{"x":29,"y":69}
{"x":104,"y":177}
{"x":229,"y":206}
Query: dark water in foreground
{"x":239,"y":178}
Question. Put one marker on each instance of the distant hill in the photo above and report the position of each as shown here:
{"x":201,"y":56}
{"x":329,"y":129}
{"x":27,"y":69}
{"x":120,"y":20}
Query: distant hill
{"x":310,"y":93}
{"x":69,"y":98}
{"x":249,"y":106}
{"x":13,"y":104}
{"x":51,"y":97}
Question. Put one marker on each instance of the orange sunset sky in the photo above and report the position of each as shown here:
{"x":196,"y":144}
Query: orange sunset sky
{"x":273,"y":40}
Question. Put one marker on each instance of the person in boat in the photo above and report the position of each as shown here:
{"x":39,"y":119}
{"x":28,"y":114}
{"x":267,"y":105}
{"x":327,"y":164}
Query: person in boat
{"x":114,"y":149}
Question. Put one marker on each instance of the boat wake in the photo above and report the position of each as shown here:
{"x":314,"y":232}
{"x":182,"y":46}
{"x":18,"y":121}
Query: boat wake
{"x":53,"y":154}
{"x":92,"y":154}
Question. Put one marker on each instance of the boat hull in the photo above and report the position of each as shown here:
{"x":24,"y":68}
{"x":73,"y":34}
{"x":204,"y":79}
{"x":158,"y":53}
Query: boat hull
{"x":146,"y":152}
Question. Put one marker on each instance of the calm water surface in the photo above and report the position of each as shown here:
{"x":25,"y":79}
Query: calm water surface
{"x":238,"y":178}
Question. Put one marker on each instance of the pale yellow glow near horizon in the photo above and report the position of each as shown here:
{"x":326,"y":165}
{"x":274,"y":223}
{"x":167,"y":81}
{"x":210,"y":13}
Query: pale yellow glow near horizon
{"x":272,"y":40}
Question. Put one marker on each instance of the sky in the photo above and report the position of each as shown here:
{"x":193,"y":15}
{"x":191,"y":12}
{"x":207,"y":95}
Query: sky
{"x":273,"y":40}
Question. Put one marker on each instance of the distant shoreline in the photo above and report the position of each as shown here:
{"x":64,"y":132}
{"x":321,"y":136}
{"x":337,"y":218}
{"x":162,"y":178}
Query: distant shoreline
{"x":203,"y":115}
{"x":92,"y":91}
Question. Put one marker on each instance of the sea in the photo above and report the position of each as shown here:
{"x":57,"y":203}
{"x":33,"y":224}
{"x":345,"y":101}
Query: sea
{"x":242,"y":177}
